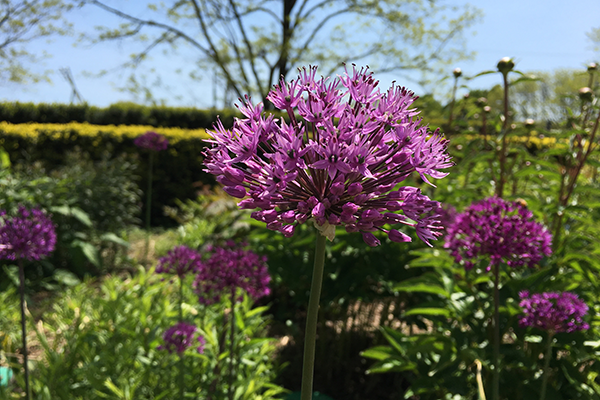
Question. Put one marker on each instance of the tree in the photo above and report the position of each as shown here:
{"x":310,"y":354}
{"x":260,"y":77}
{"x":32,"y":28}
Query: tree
{"x":22,"y":21}
{"x":551,"y":97}
{"x":253,"y":43}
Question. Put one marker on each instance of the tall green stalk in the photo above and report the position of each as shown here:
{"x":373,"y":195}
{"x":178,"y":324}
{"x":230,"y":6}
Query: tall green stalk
{"x":181,"y":361}
{"x":496,"y":375}
{"x":148,"y":204}
{"x":310,"y":334}
{"x":546,"y":365}
{"x":24,"y":328}
{"x":231,"y":345}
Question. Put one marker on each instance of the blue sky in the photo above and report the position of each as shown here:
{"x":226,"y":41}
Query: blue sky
{"x":540,"y":34}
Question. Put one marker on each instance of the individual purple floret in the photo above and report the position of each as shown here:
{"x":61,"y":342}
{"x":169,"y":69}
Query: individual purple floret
{"x":180,"y":337}
{"x":337,"y":162}
{"x":500,"y":231}
{"x":553,"y":311}
{"x":179,"y":261}
{"x":229,"y":268}
{"x":29,"y":235}
{"x":151,"y":141}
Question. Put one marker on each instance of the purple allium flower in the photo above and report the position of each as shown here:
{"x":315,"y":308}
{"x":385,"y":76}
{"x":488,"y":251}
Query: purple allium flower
{"x":553,"y":311}
{"x":338,"y":161}
{"x":498,"y":229}
{"x":229,"y":268}
{"x":179,"y":261}
{"x":151,"y":141}
{"x":180,"y":337}
{"x":29,"y":235}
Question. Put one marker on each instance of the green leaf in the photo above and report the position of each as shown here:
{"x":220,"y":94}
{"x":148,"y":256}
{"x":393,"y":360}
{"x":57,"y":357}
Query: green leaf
{"x":65,"y":277}
{"x":421,"y":285}
{"x":431,"y":311}
{"x":89,"y":251}
{"x":111,"y":237}
{"x":377,"y":353}
{"x":75,"y":212}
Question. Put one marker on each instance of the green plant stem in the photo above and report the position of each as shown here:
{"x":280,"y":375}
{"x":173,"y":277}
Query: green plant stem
{"x":231,"y":344}
{"x":496,"y":375}
{"x":148,"y":204}
{"x":181,"y":361}
{"x":451,"y":117}
{"x":502,"y":158}
{"x":24,"y":328}
{"x":546,"y":365}
{"x":310,"y":334}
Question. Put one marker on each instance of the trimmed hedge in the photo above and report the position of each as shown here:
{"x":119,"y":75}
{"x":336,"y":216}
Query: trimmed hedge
{"x":178,"y":171}
{"x":115,"y":114}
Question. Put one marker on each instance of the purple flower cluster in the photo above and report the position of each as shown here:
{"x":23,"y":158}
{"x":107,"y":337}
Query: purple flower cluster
{"x":229,"y":268}
{"x":500,"y":230}
{"x":29,"y":235}
{"x":337,"y":161}
{"x":553,"y":311}
{"x":151,"y":141}
{"x":180,"y":337}
{"x":179,"y":261}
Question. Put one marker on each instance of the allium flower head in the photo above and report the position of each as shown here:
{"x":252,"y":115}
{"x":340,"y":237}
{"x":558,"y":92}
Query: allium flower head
{"x":179,"y":261}
{"x":337,"y":161}
{"x":553,"y":311}
{"x":500,"y":230}
{"x":29,"y":235}
{"x":181,"y":337}
{"x":229,"y":268}
{"x":151,"y":141}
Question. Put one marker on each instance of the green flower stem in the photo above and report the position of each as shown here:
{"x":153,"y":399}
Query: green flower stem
{"x":310,"y":335}
{"x":496,"y":375}
{"x":181,"y":361}
{"x":546,"y":365}
{"x":148,"y":204}
{"x":24,"y":328}
{"x":231,"y":344}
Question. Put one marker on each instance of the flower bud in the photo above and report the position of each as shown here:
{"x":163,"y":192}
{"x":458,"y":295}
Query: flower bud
{"x":586,"y":94}
{"x":529,"y":123}
{"x":487,"y":109}
{"x":505,"y":65}
{"x":592,"y":67}
{"x":370,"y":239}
{"x":235,"y":191}
{"x":457,"y":72}
{"x":398,"y":237}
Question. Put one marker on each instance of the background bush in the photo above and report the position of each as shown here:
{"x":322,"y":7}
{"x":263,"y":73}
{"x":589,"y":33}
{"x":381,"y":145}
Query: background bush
{"x":115,"y":114}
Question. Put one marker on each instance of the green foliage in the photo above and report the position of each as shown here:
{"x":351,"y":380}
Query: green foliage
{"x":177,"y":171}
{"x":100,"y":340}
{"x":447,"y":326}
{"x":115,"y":114}
{"x":454,"y":328}
{"x":91,"y":203}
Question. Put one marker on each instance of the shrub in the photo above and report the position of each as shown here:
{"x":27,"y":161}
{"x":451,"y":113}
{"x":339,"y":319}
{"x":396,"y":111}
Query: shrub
{"x":102,"y":341}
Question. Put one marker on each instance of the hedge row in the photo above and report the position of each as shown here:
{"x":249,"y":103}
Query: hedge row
{"x":116,"y":114}
{"x":177,"y":173}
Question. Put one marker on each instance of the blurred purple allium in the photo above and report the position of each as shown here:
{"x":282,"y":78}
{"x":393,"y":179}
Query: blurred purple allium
{"x":29,"y":235}
{"x":500,"y":230}
{"x":553,"y":311}
{"x":337,"y":161}
{"x":180,"y":337}
{"x":151,"y":141}
{"x":229,"y":268}
{"x":179,"y":261}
